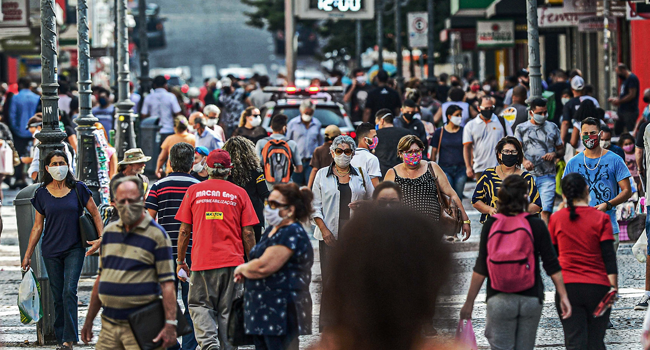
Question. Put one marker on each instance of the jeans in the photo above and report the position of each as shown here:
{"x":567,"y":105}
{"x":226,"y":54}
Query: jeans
{"x":302,"y":179}
{"x":582,"y":331}
{"x":546,"y":187}
{"x":457,"y":177}
{"x":189,"y":341}
{"x":625,"y":120}
{"x":63,"y":272}
{"x":511,"y":321}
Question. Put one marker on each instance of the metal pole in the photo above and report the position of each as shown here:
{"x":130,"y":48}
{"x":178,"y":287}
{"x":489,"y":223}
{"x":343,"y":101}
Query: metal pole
{"x":124,"y":135}
{"x":115,"y":67}
{"x":87,"y":162}
{"x":606,"y":34}
{"x":380,"y":34}
{"x":289,"y":47}
{"x":145,"y":80}
{"x":398,"y":44}
{"x":50,"y":138}
{"x":359,"y":43}
{"x":430,"y":45}
{"x":533,"y":51}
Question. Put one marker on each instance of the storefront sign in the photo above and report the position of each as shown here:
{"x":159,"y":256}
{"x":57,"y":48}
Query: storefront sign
{"x":495,"y":33}
{"x":554,"y":17}
{"x":595,"y":24}
{"x":15,"y":13}
{"x":418,"y":29}
{"x":580,"y":6}
{"x":20,"y":44}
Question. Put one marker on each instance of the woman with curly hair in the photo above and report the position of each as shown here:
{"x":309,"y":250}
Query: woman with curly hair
{"x":247,"y":173}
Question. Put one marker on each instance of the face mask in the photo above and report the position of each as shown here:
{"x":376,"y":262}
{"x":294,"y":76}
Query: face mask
{"x":474,"y":88}
{"x":256,"y":121}
{"x":456,"y":120}
{"x":362,"y":79}
{"x":212,"y":121}
{"x":198,"y":167}
{"x":103,"y":101}
{"x":333,"y":80}
{"x":273,"y":216}
{"x":487,"y":113}
{"x":565,"y":100}
{"x":372,"y":142}
{"x":306,"y":118}
{"x":628,"y":148}
{"x":58,"y":172}
{"x":130,"y":213}
{"x":486,"y":88}
{"x":190,"y":129}
{"x":539,"y":118}
{"x":412,"y":159}
{"x":621,"y":76}
{"x":509,"y":160}
{"x":605,"y":144}
{"x":342,"y":161}
{"x":525,"y":83}
{"x":408,"y":116}
{"x":590,"y":140}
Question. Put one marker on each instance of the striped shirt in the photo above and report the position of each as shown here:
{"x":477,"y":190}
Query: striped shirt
{"x":132,"y":266}
{"x":165,"y":197}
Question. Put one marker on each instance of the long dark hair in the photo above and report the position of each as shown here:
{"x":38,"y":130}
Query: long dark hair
{"x":573,"y":187}
{"x":244,"y":159}
{"x":513,"y":195}
{"x":69,"y":180}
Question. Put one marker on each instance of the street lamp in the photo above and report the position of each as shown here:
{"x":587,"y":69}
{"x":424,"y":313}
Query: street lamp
{"x":124,"y":137}
{"x":145,"y":80}
{"x":533,"y":51}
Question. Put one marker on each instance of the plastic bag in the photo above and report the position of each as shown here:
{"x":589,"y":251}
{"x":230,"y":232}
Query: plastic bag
{"x":29,"y":299}
{"x":640,"y":248}
{"x":465,"y":335}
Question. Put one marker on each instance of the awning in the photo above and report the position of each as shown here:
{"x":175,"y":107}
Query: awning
{"x":506,"y":8}
{"x":469,"y":8}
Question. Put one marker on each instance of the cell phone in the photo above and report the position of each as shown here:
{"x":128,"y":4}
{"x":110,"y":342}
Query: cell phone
{"x":604,"y":304}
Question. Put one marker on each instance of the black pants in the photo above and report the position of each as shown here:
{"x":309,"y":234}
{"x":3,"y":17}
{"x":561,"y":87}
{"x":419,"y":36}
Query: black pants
{"x":325,"y":253}
{"x":582,"y":331}
{"x":21,"y":145}
{"x":287,"y":341}
{"x":625,"y":120}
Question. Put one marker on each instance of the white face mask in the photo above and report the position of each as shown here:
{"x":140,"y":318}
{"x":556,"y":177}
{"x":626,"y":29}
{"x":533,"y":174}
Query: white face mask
{"x":212,"y":121}
{"x":306,"y":118}
{"x":256,"y":121}
{"x":362,"y":79}
{"x":342,"y":161}
{"x":58,"y":172}
{"x":198,"y":167}
{"x":605,"y":144}
{"x":456,"y":120}
{"x":565,"y":100}
{"x":273,"y":216}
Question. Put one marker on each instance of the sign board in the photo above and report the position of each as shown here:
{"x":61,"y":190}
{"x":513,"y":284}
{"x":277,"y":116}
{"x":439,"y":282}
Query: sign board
{"x":580,"y":6}
{"x":616,"y":8}
{"x":101,"y":24}
{"x":21,"y":44}
{"x":495,"y":33}
{"x":637,"y":11}
{"x":554,"y":17}
{"x":418,"y":25}
{"x":595,"y":24}
{"x":15,"y":13}
{"x":335,"y":9}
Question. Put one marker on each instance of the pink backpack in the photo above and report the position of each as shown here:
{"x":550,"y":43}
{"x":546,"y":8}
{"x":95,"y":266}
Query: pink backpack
{"x":511,"y":254}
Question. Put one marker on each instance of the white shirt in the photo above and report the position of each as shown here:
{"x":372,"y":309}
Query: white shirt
{"x":367,"y":161}
{"x":209,"y":139}
{"x":163,"y":104}
{"x":484,"y":136}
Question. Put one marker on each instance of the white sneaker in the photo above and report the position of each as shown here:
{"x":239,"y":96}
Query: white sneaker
{"x":642,"y":305}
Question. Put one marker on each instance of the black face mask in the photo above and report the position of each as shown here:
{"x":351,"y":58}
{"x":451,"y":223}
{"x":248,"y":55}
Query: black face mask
{"x":408,"y":116}
{"x":525,"y":83}
{"x":509,"y":160}
{"x":487,"y":113}
{"x":621,"y":76}
{"x":226,"y":90}
{"x":646,"y":99}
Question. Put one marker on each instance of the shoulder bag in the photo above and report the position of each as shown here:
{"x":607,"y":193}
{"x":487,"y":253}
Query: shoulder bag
{"x":442,"y":131}
{"x":236,"y":330}
{"x":87,"y":228}
{"x":450,"y":214}
{"x":147,"y":322}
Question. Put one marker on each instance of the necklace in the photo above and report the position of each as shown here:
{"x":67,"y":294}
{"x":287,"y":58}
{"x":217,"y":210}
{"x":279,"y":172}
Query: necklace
{"x":504,"y":173}
{"x":597,"y":164}
{"x":339,"y":173}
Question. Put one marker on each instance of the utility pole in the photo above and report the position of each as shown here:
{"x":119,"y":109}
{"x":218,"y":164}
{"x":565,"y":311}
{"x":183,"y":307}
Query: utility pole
{"x":359,"y":44}
{"x":124,"y":136}
{"x":533,"y":51}
{"x":431,"y":77}
{"x":289,"y":37}
{"x":87,"y":162}
{"x":50,"y":138}
{"x":380,"y":35}
{"x":145,"y":80}
{"x":606,"y":34}
{"x":398,"y":44}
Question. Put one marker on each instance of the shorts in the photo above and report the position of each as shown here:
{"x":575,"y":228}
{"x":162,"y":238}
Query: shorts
{"x":546,"y":188}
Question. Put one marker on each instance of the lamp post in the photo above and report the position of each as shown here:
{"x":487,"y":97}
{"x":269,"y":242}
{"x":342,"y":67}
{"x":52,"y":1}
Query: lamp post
{"x":87,"y":162}
{"x":380,"y":35}
{"x":359,"y":43}
{"x":124,"y":137}
{"x":145,"y":80}
{"x":431,"y":78}
{"x":398,"y":44}
{"x":533,"y":51}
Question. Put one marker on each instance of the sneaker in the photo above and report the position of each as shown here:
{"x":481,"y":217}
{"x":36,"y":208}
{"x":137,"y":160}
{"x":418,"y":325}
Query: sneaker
{"x":643,"y":303}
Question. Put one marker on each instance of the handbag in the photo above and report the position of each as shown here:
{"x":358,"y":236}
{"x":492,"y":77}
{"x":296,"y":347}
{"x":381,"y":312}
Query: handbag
{"x":87,"y":227}
{"x":450,"y":214}
{"x":6,"y":159}
{"x":147,"y":322}
{"x":236,"y":331}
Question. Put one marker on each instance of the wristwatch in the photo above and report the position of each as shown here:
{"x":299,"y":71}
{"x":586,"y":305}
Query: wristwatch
{"x":609,"y":205}
{"x":468,"y":221}
{"x":172,"y":322}
{"x":179,"y":262}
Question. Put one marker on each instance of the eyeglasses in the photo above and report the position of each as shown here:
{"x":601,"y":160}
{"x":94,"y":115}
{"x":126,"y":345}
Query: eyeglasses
{"x":339,"y":151}
{"x":413,"y":151}
{"x":130,"y":200}
{"x":388,"y":203}
{"x":506,"y":152}
{"x":275,"y":205}
{"x":255,"y":115}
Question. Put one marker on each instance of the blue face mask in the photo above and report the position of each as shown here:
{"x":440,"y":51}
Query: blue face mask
{"x":376,"y":126}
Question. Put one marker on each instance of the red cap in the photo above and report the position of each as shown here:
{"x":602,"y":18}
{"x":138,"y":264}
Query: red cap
{"x":219,"y":156}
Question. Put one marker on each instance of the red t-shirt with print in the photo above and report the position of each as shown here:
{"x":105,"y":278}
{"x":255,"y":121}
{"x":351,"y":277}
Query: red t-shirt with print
{"x":217,"y":211}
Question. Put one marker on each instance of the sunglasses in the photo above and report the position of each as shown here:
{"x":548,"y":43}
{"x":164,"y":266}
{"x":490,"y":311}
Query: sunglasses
{"x":339,"y":151}
{"x":275,"y":205}
{"x":256,"y":115}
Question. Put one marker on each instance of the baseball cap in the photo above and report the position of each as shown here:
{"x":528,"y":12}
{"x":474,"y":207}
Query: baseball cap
{"x":577,"y":83}
{"x":219,"y":156}
{"x":522,"y":73}
{"x":202,"y":151}
{"x":332,"y":131}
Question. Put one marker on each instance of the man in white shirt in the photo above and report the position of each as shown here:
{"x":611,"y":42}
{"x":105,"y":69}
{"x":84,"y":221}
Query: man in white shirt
{"x":480,"y":137}
{"x":213,"y":112}
{"x":363,"y":158}
{"x":205,"y":136}
{"x":162,"y":104}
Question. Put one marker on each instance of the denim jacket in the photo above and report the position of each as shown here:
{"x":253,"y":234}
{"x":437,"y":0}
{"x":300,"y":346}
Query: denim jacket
{"x":327,"y":196}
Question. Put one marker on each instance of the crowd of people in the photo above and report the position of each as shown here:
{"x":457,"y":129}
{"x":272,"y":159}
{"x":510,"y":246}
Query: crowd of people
{"x":229,"y":212}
